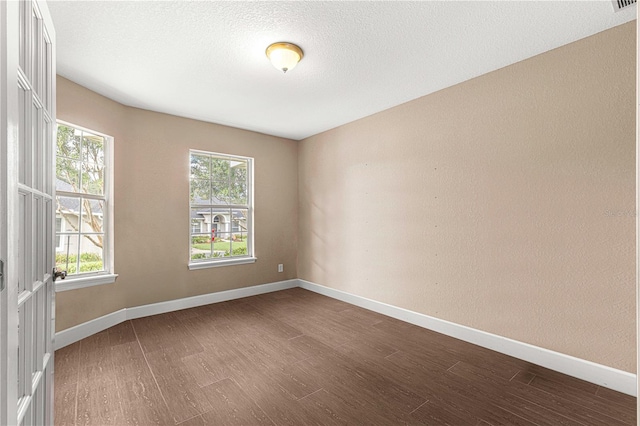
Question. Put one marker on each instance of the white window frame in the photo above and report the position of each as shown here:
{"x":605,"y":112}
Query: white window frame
{"x":225,"y":261}
{"x":108,"y":276}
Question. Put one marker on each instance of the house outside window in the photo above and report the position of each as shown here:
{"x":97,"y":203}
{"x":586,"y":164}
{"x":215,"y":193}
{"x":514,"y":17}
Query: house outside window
{"x":83,"y":207}
{"x":220,"y":209}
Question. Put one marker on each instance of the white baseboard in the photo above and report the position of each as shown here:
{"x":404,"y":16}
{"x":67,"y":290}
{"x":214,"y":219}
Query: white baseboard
{"x":207,"y":299}
{"x":602,"y":375}
{"x":71,"y":335}
{"x":80,"y":331}
{"x":599,"y":374}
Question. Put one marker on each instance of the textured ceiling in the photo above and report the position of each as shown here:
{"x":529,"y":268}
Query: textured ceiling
{"x":206,"y":60}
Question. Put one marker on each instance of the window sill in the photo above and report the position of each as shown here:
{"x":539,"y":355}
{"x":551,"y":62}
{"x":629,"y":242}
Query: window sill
{"x":226,"y":262}
{"x":82,"y":282}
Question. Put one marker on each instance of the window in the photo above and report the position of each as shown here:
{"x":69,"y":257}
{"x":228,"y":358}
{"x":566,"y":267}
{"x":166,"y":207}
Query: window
{"x":83,"y":215}
{"x":220,"y":210}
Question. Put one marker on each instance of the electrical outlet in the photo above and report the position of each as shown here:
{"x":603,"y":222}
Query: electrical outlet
{"x":280,"y":267}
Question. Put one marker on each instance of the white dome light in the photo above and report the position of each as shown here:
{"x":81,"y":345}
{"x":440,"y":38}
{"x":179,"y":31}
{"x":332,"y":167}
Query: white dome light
{"x":284,"y":56}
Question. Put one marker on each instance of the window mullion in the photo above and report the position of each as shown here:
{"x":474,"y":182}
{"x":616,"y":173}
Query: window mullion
{"x":81,"y":194}
{"x":78,"y":249}
{"x":80,"y":161}
{"x":220,"y":206}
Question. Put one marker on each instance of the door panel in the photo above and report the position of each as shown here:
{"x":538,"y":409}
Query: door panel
{"x":26,"y":177}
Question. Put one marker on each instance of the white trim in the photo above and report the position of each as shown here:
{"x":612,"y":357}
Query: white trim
{"x":599,"y":374}
{"x":84,"y":129}
{"x":221,"y":154}
{"x":249,"y":207}
{"x":207,"y":299}
{"x":74,"y":282}
{"x":89,"y":328}
{"x":107,"y":211}
{"x":80,"y":331}
{"x":226,"y":262}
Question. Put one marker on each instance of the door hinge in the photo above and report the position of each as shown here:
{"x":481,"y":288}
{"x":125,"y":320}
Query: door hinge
{"x":1,"y":275}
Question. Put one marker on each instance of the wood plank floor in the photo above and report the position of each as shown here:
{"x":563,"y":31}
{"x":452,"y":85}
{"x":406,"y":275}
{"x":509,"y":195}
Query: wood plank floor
{"x":298,"y":358}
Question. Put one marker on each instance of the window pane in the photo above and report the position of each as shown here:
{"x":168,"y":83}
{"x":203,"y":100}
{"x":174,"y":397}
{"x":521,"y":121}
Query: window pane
{"x":92,"y":178}
{"x":92,"y":214}
{"x":239,"y":244}
{"x":67,"y":175}
{"x":222,"y":245}
{"x":49,"y":234}
{"x":200,"y":191}
{"x":239,"y":220}
{"x":21,"y":350}
{"x":35,"y":52}
{"x":200,"y":166}
{"x":201,"y":220}
{"x":220,"y":220}
{"x":220,"y":192}
{"x":23,"y":36}
{"x":23,"y":238}
{"x":68,"y":142}
{"x":37,"y":240}
{"x":49,"y":153}
{"x":219,"y":169}
{"x":47,"y":77}
{"x":24,"y":151}
{"x":68,"y":208}
{"x":67,"y":253}
{"x":58,"y":229}
{"x":91,"y":253}
{"x":238,"y":185}
{"x":93,"y":149}
{"x":37,"y":144}
{"x":200,"y":247}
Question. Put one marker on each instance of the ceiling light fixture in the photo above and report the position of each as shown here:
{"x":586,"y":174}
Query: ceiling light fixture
{"x":284,"y":56}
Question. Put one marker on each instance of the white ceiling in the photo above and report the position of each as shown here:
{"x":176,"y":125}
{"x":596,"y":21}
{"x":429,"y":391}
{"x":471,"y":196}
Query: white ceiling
{"x":206,"y":60}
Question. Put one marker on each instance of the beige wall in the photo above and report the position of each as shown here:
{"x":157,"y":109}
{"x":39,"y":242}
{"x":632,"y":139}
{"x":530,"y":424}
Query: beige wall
{"x":504,"y":203}
{"x":151,"y":205}
{"x":493,"y":203}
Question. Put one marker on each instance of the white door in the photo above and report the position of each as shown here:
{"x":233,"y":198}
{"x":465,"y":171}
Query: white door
{"x":27,"y":80}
